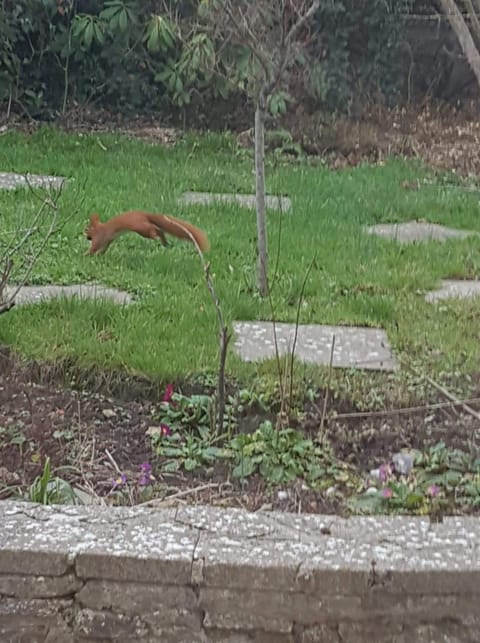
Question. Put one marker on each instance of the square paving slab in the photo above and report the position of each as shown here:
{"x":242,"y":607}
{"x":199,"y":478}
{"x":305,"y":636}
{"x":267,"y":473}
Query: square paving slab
{"x":281,"y":203}
{"x":455,"y":289}
{"x":11,"y":181}
{"x":355,"y":347}
{"x":417,"y":232}
{"x":37,"y":294}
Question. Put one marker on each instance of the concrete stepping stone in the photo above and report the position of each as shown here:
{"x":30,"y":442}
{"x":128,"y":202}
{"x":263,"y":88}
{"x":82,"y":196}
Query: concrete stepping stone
{"x":417,"y":232}
{"x":38,"y":294}
{"x":281,"y":203}
{"x":355,"y":347}
{"x":454,"y":289}
{"x":11,"y":181}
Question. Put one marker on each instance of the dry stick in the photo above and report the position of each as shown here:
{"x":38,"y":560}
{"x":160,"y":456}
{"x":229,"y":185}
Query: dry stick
{"x":277,"y":353}
{"x":274,"y":323}
{"x":45,"y":201}
{"x":112,"y":461}
{"x":11,"y":248}
{"x":36,"y":255}
{"x":52,"y":203}
{"x":327,"y":390}
{"x":224,"y":335}
{"x":405,"y":410}
{"x":10,"y":302}
{"x":297,"y":323}
{"x":452,"y":397}
{"x":279,"y":245}
{"x":185,"y":492}
{"x":444,"y":392}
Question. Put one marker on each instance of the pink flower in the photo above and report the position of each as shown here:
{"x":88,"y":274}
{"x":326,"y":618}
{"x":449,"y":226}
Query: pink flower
{"x":433,"y":490}
{"x":167,"y":396}
{"x":387,"y":493}
{"x":165,"y":430}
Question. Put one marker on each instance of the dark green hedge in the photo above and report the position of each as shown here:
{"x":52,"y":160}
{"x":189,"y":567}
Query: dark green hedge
{"x":127,"y":56}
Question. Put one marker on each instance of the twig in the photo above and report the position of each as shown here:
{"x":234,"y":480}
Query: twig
{"x":156,"y":502}
{"x":50,"y":201}
{"x":297,"y":323}
{"x":114,"y":464}
{"x":277,"y":353}
{"x":224,"y":335}
{"x":444,"y":391}
{"x":327,"y":390}
{"x":279,"y":246}
{"x":452,"y":397}
{"x":406,"y":409}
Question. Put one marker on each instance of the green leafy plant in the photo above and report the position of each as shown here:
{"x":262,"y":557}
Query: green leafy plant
{"x":186,"y":438}
{"x":279,"y":455}
{"x":189,"y":452}
{"x":48,"y":489}
{"x":398,"y":497}
{"x":182,"y":412}
{"x":441,"y":477}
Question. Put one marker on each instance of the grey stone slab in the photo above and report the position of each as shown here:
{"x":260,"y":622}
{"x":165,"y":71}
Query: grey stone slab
{"x":120,"y":543}
{"x":287,"y":544}
{"x":281,"y":203}
{"x":454,"y":289}
{"x":11,"y":180}
{"x":355,"y":347}
{"x":417,"y":232}
{"x":37,"y":294}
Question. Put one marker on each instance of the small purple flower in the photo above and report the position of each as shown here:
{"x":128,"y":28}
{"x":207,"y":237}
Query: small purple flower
{"x":384,"y":472}
{"x":120,"y":481}
{"x":146,"y":476}
{"x":387,"y":493}
{"x":433,"y":490}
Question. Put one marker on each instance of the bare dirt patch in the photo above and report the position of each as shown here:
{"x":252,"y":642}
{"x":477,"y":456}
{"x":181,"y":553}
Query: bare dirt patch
{"x":92,"y":438}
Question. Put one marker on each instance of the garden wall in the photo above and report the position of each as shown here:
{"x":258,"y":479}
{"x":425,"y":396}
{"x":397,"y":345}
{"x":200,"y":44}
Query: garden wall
{"x":205,"y":574}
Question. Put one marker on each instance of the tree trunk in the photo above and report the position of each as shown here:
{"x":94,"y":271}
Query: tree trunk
{"x":262,"y":280}
{"x":474,"y":21}
{"x":460,"y":27}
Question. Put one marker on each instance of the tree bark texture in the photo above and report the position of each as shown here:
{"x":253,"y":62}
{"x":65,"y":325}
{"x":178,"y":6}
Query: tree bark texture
{"x":460,"y":27}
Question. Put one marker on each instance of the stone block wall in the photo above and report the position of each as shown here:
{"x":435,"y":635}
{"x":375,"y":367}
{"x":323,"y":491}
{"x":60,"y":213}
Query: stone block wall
{"x":201,"y":574}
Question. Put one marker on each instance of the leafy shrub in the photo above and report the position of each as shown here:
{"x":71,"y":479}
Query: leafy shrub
{"x":356,"y":50}
{"x":134,"y":55}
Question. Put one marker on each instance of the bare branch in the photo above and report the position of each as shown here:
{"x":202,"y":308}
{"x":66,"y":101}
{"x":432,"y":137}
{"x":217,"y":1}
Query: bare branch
{"x":287,"y":44}
{"x":223,"y":337}
{"x":474,"y":19}
{"x":244,"y":29}
{"x":20,"y":237}
{"x":459,"y":26}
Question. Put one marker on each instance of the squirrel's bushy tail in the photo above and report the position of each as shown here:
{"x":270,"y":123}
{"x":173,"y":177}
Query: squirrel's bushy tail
{"x":181,"y":229}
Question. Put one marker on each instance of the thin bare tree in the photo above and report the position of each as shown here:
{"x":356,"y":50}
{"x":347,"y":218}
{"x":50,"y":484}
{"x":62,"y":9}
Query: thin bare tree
{"x":272,"y":33}
{"x":463,"y":17}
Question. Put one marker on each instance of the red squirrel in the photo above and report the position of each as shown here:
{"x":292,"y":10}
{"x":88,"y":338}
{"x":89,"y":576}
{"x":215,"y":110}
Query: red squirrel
{"x":150,"y":226}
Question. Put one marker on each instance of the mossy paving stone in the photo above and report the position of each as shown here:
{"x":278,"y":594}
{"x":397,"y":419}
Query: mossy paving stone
{"x":12,"y":181}
{"x":355,"y":347}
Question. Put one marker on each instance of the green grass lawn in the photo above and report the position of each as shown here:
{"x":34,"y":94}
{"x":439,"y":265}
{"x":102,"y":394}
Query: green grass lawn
{"x":171,"y":332}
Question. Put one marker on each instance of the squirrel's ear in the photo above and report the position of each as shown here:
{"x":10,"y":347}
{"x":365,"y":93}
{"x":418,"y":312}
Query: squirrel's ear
{"x":94,"y":218}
